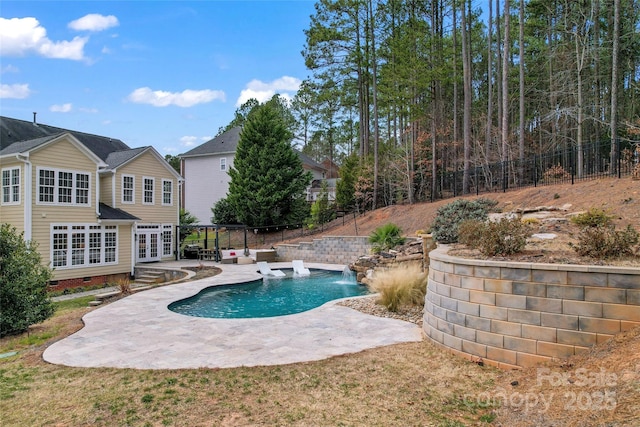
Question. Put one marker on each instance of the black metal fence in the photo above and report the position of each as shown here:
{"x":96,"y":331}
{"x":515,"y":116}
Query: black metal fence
{"x":561,"y":166}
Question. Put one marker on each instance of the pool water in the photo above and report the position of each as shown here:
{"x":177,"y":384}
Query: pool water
{"x":271,"y":296}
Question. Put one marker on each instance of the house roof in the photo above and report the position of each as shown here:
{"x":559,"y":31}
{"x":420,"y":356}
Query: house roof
{"x":30,"y":135}
{"x":309,"y":162}
{"x":115,"y":214}
{"x":27,"y":145}
{"x":118,"y":158}
{"x":226,"y":142}
{"x":18,"y":136}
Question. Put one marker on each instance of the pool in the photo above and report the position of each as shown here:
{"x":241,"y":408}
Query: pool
{"x":270,"y":297}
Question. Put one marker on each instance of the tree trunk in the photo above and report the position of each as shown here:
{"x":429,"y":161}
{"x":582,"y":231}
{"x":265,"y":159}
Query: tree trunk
{"x":521,"y":94}
{"x":489,"y":133}
{"x":505,"y":93}
{"x":614,"y":86}
{"x":466,"y":74}
{"x":376,"y":129}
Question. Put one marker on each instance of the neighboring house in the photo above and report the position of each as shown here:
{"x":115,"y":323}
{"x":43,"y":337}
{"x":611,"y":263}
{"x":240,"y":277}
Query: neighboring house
{"x":95,"y":206}
{"x":206,"y":178}
{"x":313,"y":192}
{"x":332,"y":169}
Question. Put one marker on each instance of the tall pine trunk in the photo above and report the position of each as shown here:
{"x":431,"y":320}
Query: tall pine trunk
{"x":614,"y":86}
{"x":505,"y":94}
{"x":466,"y":76}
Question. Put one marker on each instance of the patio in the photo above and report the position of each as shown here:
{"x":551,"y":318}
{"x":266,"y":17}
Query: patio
{"x":140,"y":332}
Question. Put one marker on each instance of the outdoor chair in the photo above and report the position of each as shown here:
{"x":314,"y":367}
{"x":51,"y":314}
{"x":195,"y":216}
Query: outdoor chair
{"x":265,"y":270}
{"x":299,"y":268}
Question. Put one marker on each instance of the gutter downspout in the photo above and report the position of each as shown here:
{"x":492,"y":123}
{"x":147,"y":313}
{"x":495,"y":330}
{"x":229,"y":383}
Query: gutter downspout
{"x":113,"y":188}
{"x":134,"y":227}
{"x":28,"y":194}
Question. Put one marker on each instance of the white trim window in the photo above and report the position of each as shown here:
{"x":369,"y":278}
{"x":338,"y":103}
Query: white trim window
{"x":167,"y":192}
{"x":11,"y":186}
{"x":223,"y":163}
{"x":63,"y":187}
{"x":167,"y":239}
{"x":148,"y":185}
{"x":128,"y":189}
{"x":83,"y":245}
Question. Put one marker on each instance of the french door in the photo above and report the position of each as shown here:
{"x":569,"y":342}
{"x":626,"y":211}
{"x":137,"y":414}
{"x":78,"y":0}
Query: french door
{"x":149,"y":242}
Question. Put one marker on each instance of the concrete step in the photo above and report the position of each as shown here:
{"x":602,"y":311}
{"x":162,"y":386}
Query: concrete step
{"x":150,"y":277}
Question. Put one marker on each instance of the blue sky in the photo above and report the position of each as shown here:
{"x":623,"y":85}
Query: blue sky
{"x":162,"y":73}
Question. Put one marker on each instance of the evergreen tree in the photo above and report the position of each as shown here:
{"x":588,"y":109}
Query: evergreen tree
{"x":322,"y":211}
{"x":187,"y":223}
{"x":174,"y":161}
{"x":346,"y":185}
{"x":268,"y":182}
{"x":23,"y":283}
{"x":223,"y":213}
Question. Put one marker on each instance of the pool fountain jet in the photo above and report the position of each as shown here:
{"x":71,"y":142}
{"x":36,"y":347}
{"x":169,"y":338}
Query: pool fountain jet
{"x":348,"y":276}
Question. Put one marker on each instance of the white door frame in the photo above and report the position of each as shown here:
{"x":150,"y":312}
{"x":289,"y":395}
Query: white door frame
{"x":148,"y":242}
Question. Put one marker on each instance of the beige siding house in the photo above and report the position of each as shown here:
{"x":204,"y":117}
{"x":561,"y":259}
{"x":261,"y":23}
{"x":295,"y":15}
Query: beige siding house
{"x":95,"y":206}
{"x":205,"y":169}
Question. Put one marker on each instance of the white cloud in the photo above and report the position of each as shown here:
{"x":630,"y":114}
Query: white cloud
{"x":186,"y":98}
{"x":285,"y":86}
{"x":191,"y":141}
{"x":94,"y":22}
{"x":21,"y":36}
{"x":63,"y":108}
{"x":9,"y":69}
{"x":88,"y":110}
{"x":15,"y":91}
{"x":188,"y":141}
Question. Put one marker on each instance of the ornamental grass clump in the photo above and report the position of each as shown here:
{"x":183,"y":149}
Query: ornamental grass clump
{"x":124,"y":286}
{"x":401,"y":285}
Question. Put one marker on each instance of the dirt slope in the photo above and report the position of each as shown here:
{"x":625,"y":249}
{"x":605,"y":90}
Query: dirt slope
{"x":531,"y":396}
{"x":620,"y":197}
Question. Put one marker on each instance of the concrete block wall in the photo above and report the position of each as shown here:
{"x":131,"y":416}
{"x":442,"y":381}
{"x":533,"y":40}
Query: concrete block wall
{"x":513,"y":314}
{"x":328,"y":249}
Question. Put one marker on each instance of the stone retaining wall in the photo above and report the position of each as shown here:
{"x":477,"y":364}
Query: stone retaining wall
{"x":514,"y":314}
{"x":328,"y":249}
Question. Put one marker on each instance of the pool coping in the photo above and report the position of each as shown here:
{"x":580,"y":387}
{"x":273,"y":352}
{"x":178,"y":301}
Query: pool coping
{"x":140,"y":332}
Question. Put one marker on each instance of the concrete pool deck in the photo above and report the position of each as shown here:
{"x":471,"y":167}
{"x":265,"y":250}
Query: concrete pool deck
{"x":140,"y":332}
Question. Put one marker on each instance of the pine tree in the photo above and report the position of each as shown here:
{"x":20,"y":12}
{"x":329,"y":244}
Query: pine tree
{"x":268,"y":182}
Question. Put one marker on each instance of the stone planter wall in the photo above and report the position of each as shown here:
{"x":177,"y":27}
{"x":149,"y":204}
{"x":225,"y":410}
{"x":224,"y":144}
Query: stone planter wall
{"x":328,"y":249}
{"x":518,"y":314}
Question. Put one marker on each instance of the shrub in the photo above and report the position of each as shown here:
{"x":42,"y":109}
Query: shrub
{"x":449,"y":217}
{"x":470,"y":232}
{"x":594,"y":217}
{"x":405,"y":284}
{"x":23,"y":283}
{"x":555,"y":173}
{"x":505,"y":237}
{"x":386,"y":237}
{"x":606,"y":242}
